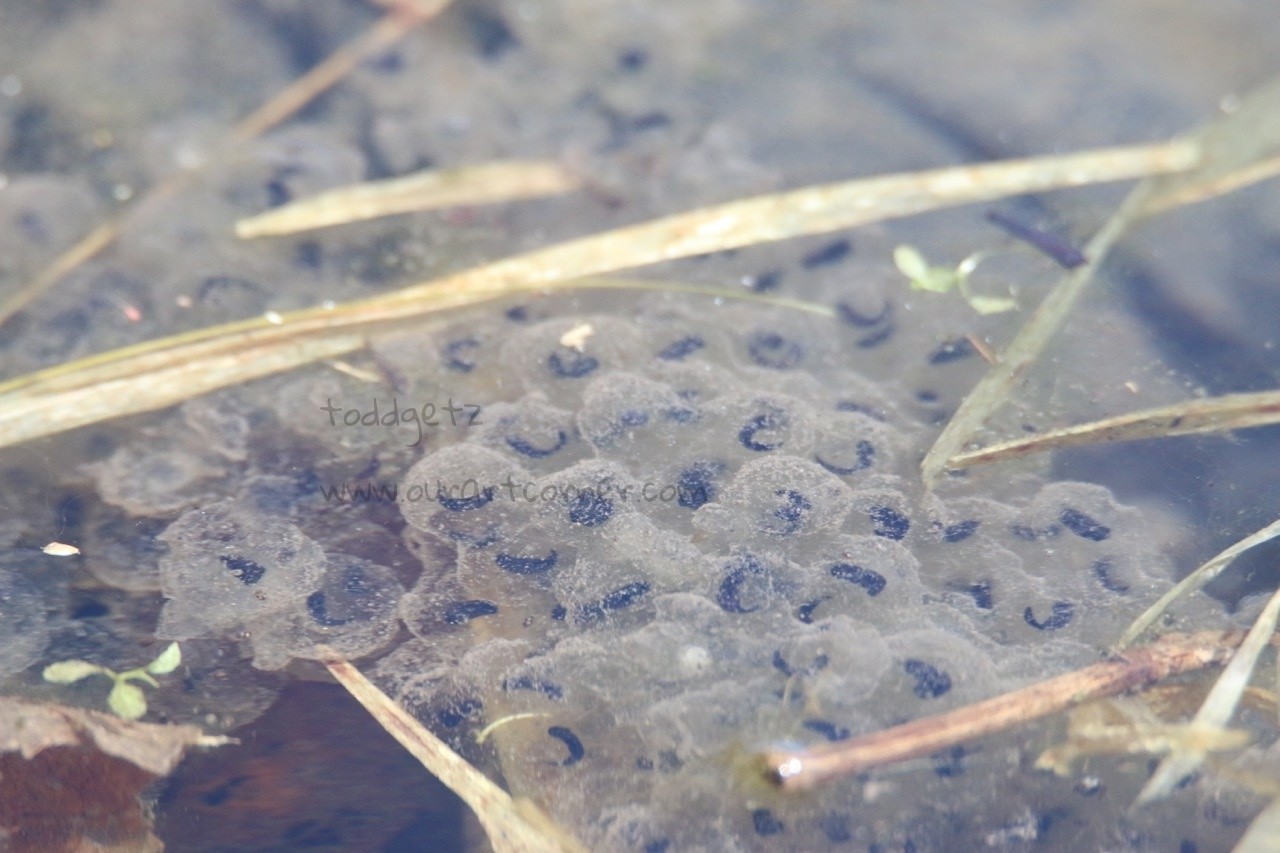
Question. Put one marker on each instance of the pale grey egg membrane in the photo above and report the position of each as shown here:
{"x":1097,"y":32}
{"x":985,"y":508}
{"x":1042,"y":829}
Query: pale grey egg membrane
{"x":670,"y":553}
{"x":785,"y":602}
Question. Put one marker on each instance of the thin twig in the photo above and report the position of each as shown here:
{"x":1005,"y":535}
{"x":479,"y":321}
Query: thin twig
{"x":1136,"y":668}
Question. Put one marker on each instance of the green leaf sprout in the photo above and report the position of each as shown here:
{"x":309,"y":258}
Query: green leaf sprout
{"x":125,"y":700}
{"x":912,"y":264}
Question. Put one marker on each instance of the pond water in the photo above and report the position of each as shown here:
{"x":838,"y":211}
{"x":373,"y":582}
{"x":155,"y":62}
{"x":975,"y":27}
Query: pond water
{"x":645,"y":532}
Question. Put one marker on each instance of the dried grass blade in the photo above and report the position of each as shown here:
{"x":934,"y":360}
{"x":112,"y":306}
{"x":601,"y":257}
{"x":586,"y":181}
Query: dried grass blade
{"x":36,"y":416}
{"x":1219,"y":705}
{"x":1217,"y":414}
{"x":1235,"y":149}
{"x":820,"y":209}
{"x":1201,"y":576}
{"x":157,"y":374}
{"x":513,"y":826}
{"x":765,"y":218}
{"x":487,"y":183}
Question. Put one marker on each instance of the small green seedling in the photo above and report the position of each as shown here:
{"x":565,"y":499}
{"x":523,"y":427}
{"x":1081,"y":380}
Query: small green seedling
{"x":912,"y":264}
{"x":125,"y":700}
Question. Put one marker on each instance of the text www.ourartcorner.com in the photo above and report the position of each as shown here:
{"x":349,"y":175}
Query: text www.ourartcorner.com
{"x":473,"y":493}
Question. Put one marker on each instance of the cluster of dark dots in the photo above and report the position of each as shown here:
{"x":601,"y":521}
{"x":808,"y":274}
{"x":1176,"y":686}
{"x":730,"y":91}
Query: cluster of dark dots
{"x":620,"y":599}
{"x":805,"y":611}
{"x":318,"y":607}
{"x":866,"y":454}
{"x":455,"y":354}
{"x":467,"y":503}
{"x":1060,"y":617}
{"x":827,"y":729}
{"x":949,"y":763}
{"x":246,"y":571}
{"x":827,"y":254}
{"x":960,"y":531}
{"x":589,"y":509}
{"x":931,"y":682}
{"x":527,"y":682}
{"x":871,"y":581}
{"x":1084,"y":526}
{"x":792,"y":510}
{"x":491,"y":35}
{"x":765,"y":281}
{"x":771,"y":420}
{"x":949,"y":351}
{"x":571,"y":742}
{"x":696,"y":485}
{"x":532,"y":451}
{"x":771,"y":350}
{"x":1032,"y":534}
{"x":888,"y":522}
{"x":740,"y":570}
{"x":765,"y":823}
{"x":457,"y":713}
{"x":517,"y":565}
{"x":681,"y":349}
{"x":980,"y":592}
{"x":571,"y":364}
{"x":462,"y":612}
{"x":875,"y":329}
{"x":1102,"y":571}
